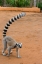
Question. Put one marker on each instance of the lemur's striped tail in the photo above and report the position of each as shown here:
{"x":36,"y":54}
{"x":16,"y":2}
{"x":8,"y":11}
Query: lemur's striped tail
{"x":10,"y":22}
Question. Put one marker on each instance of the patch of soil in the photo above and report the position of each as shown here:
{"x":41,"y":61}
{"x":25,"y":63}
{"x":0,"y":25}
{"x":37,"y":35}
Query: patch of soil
{"x":27,"y":30}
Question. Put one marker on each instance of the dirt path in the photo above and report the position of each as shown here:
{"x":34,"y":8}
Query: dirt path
{"x":27,"y":30}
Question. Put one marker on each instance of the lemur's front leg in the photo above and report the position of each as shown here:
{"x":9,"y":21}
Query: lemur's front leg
{"x":17,"y":51}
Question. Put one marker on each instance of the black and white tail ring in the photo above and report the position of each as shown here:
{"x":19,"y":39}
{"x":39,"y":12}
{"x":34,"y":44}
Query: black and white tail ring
{"x":10,"y":22}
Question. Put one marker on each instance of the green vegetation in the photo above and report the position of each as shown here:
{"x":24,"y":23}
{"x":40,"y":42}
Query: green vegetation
{"x":1,"y":3}
{"x":22,"y":3}
{"x":40,"y":5}
{"x":16,"y":3}
{"x":10,"y":2}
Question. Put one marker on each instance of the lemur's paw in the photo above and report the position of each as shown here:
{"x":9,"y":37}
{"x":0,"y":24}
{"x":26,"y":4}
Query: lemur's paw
{"x":3,"y":54}
{"x":19,"y":57}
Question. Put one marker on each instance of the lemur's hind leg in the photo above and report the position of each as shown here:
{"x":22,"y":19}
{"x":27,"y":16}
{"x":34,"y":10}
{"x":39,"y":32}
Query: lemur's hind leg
{"x":9,"y":50}
{"x":4,"y":47}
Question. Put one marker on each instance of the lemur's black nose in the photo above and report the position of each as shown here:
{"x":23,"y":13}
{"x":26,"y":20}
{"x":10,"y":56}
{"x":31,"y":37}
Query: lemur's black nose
{"x":20,"y":47}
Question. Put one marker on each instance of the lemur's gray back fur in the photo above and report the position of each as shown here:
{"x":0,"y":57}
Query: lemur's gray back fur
{"x":10,"y":22}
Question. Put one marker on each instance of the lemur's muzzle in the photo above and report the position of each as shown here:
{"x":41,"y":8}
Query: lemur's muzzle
{"x":20,"y":45}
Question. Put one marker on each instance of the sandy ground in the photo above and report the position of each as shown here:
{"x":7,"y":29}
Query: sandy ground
{"x":27,"y":30}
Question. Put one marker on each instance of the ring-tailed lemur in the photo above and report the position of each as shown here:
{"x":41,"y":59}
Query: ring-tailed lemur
{"x":8,"y":42}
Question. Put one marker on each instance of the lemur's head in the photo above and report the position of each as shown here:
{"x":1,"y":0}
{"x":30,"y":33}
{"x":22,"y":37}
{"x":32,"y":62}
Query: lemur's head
{"x":19,"y":45}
